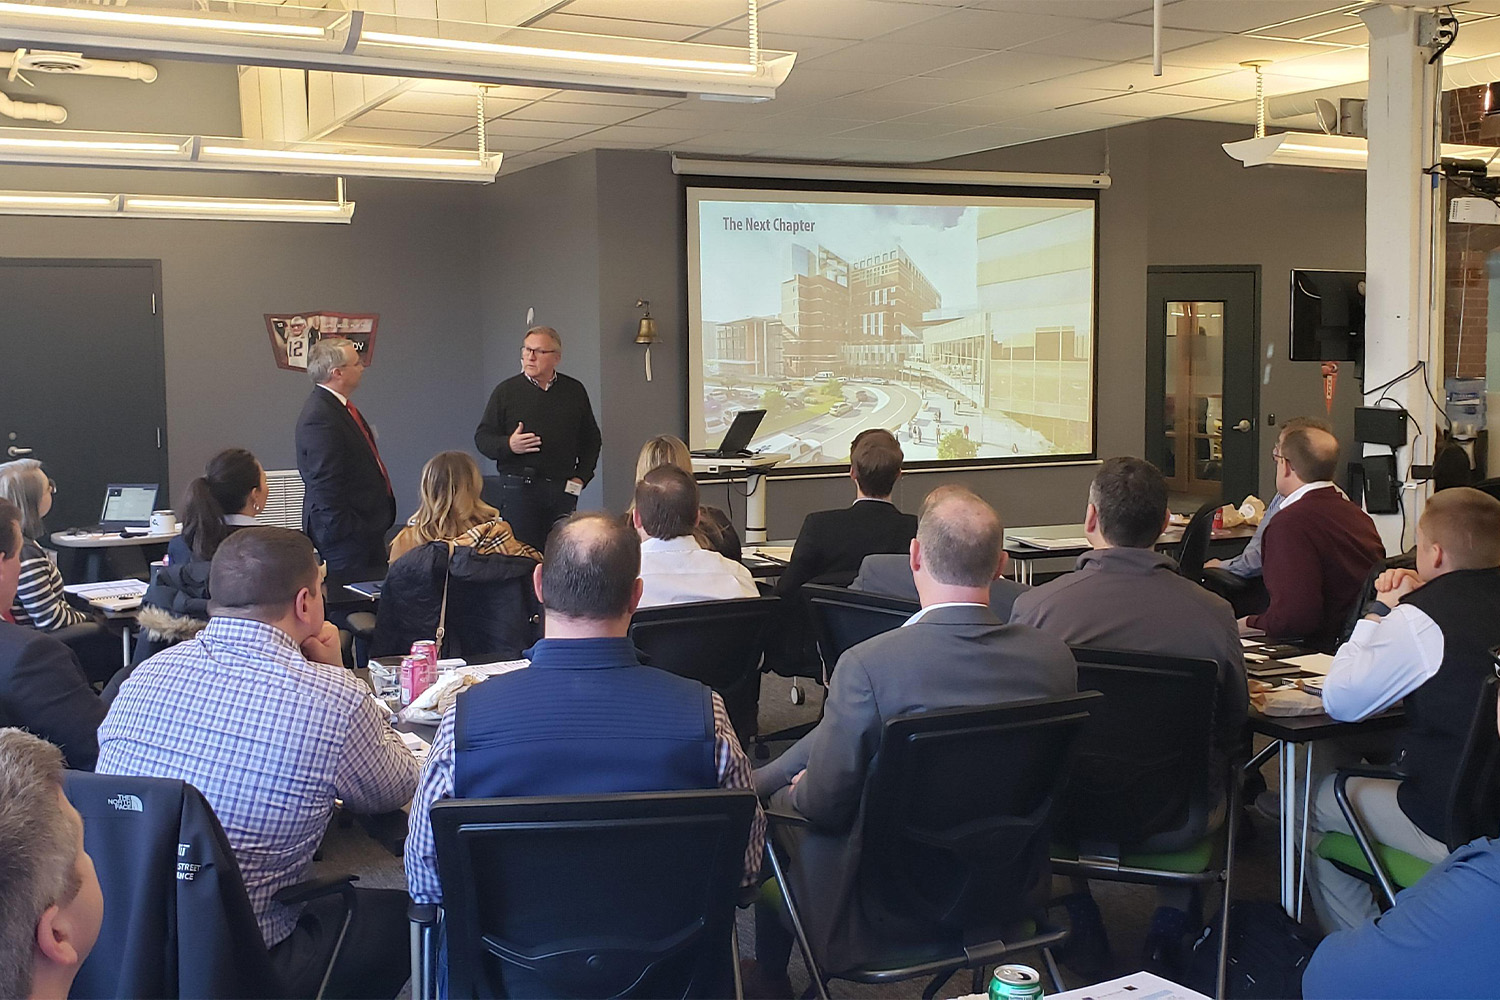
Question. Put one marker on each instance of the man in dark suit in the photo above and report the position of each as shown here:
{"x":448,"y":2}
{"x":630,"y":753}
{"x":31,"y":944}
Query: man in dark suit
{"x":832,"y":543}
{"x":891,"y":575}
{"x":348,"y":506}
{"x":42,"y":687}
{"x":953,"y":653}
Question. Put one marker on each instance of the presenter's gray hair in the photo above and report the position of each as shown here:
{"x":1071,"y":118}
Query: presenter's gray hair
{"x":328,"y":354}
{"x":543,"y":331}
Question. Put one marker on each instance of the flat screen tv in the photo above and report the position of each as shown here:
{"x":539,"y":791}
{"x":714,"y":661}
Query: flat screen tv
{"x":1328,"y":315}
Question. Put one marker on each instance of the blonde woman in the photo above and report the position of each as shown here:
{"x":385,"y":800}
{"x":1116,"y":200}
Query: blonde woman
{"x":39,"y":602}
{"x":714,"y":531}
{"x":452,"y":510}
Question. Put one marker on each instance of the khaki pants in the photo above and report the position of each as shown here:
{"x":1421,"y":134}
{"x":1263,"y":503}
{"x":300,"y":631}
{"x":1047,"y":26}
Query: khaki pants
{"x":1340,"y":900}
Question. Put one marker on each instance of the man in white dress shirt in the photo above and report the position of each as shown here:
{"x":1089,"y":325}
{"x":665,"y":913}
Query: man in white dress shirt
{"x":674,"y":567}
{"x":1425,"y":639}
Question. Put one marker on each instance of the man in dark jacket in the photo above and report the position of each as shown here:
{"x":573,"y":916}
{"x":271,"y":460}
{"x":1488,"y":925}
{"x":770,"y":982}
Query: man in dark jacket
{"x":42,"y":686}
{"x":348,"y":506}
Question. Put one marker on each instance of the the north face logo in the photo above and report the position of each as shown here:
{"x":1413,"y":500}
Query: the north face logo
{"x":127,"y":803}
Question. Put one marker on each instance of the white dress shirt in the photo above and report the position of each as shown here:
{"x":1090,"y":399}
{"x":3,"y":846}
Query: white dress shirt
{"x":1305,"y":489}
{"x":946,"y":604}
{"x":1382,"y":663}
{"x":336,"y":394}
{"x":679,"y":571}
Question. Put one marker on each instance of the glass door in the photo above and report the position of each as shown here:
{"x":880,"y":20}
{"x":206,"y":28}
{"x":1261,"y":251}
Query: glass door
{"x":1193,"y":398}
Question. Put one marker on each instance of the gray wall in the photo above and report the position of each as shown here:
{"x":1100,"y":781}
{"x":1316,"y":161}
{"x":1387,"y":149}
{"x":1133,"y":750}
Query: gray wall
{"x":408,"y":256}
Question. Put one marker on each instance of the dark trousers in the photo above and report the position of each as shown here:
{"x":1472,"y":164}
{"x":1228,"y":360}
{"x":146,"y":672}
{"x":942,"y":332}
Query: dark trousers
{"x":531,"y":505}
{"x":375,"y":960}
{"x":1247,"y":594}
{"x":98,"y":649}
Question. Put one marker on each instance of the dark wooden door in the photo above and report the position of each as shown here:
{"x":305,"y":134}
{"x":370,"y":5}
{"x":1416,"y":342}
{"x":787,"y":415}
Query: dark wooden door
{"x":83,"y":378}
{"x":1202,"y":384}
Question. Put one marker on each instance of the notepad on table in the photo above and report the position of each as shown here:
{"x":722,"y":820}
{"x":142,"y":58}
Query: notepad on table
{"x":1032,"y":541}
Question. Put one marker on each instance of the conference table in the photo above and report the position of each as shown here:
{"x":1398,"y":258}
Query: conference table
{"x":1293,"y":737}
{"x":1066,"y":541}
{"x":96,"y":548}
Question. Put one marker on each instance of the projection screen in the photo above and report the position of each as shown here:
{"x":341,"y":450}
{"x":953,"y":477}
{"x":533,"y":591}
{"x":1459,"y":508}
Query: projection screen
{"x":962,"y":323}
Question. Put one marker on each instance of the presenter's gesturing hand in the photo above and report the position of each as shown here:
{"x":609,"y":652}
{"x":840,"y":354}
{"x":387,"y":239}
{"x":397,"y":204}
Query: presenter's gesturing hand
{"x":523,"y":442}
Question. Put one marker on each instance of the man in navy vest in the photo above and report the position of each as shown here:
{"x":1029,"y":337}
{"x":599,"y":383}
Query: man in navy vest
{"x":538,"y":731}
{"x":1425,"y":639}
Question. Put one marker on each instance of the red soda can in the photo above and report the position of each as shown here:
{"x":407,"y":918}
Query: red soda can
{"x":428,"y":649}
{"x":1219,"y":519}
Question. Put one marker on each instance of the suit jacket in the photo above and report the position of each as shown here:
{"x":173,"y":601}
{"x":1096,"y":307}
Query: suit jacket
{"x":891,"y":575}
{"x":347,"y":508}
{"x":950,"y":657}
{"x":43,"y":690}
{"x":832,"y":543}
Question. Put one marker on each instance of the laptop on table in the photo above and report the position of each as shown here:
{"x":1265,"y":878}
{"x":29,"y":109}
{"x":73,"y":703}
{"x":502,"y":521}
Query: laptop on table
{"x":746,"y":422}
{"x":128,"y":507}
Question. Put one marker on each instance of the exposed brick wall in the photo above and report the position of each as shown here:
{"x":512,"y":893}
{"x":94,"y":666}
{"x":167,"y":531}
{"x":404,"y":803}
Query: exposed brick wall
{"x":1466,"y":316}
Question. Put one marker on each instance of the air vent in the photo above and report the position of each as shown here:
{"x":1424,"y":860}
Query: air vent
{"x":283,"y":499}
{"x":53,"y":62}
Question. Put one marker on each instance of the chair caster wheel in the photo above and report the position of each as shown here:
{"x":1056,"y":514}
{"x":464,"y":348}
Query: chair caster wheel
{"x":796,"y":695}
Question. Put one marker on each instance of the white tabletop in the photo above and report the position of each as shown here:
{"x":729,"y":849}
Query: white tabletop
{"x":109,"y":539}
{"x":763,"y":461}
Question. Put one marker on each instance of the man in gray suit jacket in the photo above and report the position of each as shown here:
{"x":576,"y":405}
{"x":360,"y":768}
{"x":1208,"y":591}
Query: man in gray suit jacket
{"x":953,"y":653}
{"x":892,"y":576}
{"x":1125,"y":595}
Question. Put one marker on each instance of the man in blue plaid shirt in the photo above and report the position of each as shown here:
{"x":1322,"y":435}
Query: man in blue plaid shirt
{"x":258,"y":713}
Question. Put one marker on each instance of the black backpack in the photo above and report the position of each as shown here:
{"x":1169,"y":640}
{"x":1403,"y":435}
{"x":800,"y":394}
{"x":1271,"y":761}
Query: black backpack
{"x":1268,"y":952}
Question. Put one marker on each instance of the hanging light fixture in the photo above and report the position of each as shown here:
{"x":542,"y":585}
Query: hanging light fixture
{"x":157,"y":206}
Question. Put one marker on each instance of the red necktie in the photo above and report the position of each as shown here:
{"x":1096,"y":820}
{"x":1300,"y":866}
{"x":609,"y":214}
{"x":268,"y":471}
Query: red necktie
{"x":364,"y":429}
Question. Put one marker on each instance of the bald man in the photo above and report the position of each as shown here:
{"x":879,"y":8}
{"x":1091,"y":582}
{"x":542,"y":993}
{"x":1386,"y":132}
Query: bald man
{"x":1320,"y":548}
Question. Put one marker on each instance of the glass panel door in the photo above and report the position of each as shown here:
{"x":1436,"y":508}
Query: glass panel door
{"x":1193,"y":417}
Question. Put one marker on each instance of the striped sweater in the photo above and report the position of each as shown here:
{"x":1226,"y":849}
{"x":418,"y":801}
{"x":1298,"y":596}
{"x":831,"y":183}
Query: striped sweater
{"x":40,"y":602}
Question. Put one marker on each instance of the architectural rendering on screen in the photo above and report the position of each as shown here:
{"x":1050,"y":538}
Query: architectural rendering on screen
{"x":963,"y":325}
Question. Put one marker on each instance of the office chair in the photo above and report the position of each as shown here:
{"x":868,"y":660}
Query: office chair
{"x":953,"y":867}
{"x":719,"y":643}
{"x":1473,"y":808}
{"x":587,"y":896}
{"x":842,"y":618}
{"x":177,"y":921}
{"x":1406,"y":560}
{"x":1192,"y":551}
{"x":1490,"y":486}
{"x":1145,"y":771}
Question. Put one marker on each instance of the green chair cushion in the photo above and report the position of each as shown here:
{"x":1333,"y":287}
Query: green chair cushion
{"x":1341,"y":848}
{"x":1191,"y":861}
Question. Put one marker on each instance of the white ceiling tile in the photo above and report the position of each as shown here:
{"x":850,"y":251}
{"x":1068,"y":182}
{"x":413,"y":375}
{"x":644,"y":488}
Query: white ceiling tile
{"x":932,"y":90}
{"x":1476,"y":39}
{"x":1313,"y":28}
{"x":991,"y":29}
{"x":542,"y":130}
{"x":820,"y":85}
{"x":840,"y":18}
{"x":859,"y":107}
{"x":652,"y":101}
{"x":1067,"y":121}
{"x":906,"y":131}
{"x":794,"y":127}
{"x":1136,"y":76}
{"x":1240,"y":85}
{"x":1098,"y":10}
{"x":1335,"y":67}
{"x":383,"y":136}
{"x":807,"y":47}
{"x":703,"y":13}
{"x":619,"y":27}
{"x":894,"y":58}
{"x":1231,"y":50}
{"x":1013,"y":69}
{"x":1151,"y":104}
{"x":384,"y":117}
{"x":1216,"y":15}
{"x":700,"y":119}
{"x":588,"y":114}
{"x":1113,"y":42}
{"x":957,"y":116}
{"x":644,"y":136}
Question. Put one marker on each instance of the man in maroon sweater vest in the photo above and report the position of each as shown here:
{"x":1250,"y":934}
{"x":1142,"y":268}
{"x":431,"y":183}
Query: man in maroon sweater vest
{"x":1320,"y":548}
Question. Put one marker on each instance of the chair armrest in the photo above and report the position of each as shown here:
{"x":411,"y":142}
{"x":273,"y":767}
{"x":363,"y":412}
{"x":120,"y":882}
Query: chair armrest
{"x":777,"y":817}
{"x":361,"y":623}
{"x":423,"y":914}
{"x":316,"y":888}
{"x":1387,"y":771}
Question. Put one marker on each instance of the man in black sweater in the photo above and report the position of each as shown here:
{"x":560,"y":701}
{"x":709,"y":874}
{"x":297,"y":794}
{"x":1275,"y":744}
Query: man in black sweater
{"x":540,"y":430}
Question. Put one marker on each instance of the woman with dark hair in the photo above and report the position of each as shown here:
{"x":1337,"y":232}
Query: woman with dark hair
{"x":228,"y":496}
{"x":40,"y":602}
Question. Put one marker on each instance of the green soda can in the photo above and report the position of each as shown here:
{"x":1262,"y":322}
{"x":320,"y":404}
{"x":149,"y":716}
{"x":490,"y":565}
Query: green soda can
{"x":1015,"y":982}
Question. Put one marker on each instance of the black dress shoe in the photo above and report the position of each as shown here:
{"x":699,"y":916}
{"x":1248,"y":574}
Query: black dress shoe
{"x":1163,"y":951}
{"x":1086,"y":951}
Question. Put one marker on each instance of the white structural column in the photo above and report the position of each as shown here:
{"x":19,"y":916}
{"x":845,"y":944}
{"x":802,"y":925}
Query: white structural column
{"x":1404,"y":276}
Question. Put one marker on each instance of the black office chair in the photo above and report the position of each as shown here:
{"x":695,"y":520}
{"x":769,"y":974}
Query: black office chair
{"x":589,"y":896}
{"x":842,"y":618}
{"x":1473,"y":807}
{"x":719,"y":643}
{"x":956,"y":820}
{"x":177,"y":921}
{"x":1144,"y":771}
{"x":1192,"y":551}
{"x":1490,"y":486}
{"x":1406,"y":560}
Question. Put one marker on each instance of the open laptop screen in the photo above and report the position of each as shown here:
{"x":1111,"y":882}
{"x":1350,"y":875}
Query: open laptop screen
{"x":128,"y":505}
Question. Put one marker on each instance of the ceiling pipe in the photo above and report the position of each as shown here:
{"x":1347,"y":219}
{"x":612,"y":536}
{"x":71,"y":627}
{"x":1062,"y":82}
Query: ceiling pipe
{"x":28,"y":111}
{"x":74,"y":64}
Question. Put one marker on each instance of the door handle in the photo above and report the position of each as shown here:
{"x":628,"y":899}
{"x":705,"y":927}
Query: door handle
{"x":1243,"y":426}
{"x":15,"y":452}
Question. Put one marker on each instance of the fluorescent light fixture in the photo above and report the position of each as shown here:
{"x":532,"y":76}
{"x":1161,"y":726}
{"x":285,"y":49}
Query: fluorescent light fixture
{"x":1339,"y":152}
{"x":361,"y":41}
{"x":188,"y":152}
{"x":153,"y":206}
{"x":787,"y":170}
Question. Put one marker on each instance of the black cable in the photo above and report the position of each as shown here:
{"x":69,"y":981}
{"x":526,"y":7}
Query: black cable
{"x":1404,"y":375}
{"x":1444,"y":23}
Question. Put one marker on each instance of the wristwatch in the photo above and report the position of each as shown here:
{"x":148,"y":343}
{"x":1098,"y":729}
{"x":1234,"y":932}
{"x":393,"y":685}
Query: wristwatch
{"x":1377,"y":608}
